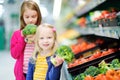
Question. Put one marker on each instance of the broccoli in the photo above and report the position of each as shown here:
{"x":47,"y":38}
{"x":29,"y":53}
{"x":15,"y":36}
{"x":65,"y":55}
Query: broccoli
{"x":29,"y":29}
{"x":80,"y":77}
{"x":115,"y":63}
{"x":65,"y":52}
{"x":103,"y":67}
{"x":92,"y":71}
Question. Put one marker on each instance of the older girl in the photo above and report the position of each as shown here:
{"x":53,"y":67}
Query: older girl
{"x":20,"y":50}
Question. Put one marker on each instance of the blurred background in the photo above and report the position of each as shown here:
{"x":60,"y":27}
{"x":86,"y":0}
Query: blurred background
{"x":71,"y":18}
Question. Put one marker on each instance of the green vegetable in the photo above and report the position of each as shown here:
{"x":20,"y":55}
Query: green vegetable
{"x":92,"y":71}
{"x":115,"y":63}
{"x":65,"y":52}
{"x":80,"y":77}
{"x":103,"y":66}
{"x":29,"y":29}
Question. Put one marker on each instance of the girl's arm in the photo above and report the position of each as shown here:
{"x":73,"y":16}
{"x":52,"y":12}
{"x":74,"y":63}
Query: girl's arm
{"x":17,"y":44}
{"x":54,"y":71}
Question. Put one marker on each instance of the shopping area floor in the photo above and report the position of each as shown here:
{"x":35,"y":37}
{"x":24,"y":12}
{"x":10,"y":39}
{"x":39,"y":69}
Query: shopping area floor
{"x":6,"y":66}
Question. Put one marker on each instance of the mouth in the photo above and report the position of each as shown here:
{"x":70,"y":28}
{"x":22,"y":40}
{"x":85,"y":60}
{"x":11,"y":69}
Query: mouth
{"x":45,"y":45}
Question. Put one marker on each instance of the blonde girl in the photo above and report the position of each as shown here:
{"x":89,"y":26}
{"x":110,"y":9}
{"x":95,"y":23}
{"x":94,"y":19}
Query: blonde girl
{"x":21,"y":50}
{"x":40,"y":66}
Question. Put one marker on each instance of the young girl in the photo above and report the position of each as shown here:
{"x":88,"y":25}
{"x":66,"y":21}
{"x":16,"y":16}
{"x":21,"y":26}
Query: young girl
{"x":40,"y":66}
{"x":20,"y":50}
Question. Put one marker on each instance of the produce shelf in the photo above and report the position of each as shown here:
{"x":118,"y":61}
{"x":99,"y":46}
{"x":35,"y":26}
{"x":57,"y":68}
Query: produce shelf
{"x":107,"y":43}
{"x":81,"y":68}
{"x":83,"y":52}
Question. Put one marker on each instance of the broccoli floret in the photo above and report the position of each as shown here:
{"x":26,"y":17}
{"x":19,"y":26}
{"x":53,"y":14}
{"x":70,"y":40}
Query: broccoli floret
{"x":92,"y":71}
{"x":29,"y":29}
{"x":65,"y":52}
{"x":115,"y":63}
{"x":80,"y":77}
{"x":103,"y":67}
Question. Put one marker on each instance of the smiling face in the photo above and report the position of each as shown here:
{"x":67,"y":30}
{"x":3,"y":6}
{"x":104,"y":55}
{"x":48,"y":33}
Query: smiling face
{"x":46,"y":38}
{"x":30,"y":16}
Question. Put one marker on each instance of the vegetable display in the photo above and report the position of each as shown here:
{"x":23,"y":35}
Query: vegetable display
{"x":109,"y":71}
{"x":64,"y":52}
{"x":91,"y":71}
{"x":29,"y":29}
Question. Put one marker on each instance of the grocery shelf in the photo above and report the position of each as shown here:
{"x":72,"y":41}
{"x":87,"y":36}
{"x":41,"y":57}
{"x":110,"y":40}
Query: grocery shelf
{"x":82,"y":67}
{"x":93,"y":5}
{"x":89,"y":6}
{"x":110,"y":32}
{"x":107,"y":42}
{"x":113,"y":32}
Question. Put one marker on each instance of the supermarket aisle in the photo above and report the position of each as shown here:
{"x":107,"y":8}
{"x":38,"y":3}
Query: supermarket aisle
{"x":6,"y":66}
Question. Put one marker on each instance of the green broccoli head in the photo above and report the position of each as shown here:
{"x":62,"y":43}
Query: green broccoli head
{"x":115,"y":63}
{"x":29,"y":29}
{"x":65,"y":52}
{"x":103,"y":66}
{"x":80,"y":77}
{"x":92,"y":71}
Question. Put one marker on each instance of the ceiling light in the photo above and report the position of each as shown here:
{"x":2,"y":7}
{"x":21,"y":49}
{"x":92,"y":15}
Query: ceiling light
{"x":56,"y":8}
{"x":1,"y":1}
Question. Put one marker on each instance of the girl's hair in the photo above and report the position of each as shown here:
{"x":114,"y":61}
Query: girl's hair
{"x":29,"y":4}
{"x":37,"y":48}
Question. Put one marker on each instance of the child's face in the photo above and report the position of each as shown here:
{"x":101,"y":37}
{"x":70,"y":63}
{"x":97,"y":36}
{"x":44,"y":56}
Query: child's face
{"x":46,"y":38}
{"x":30,"y":16}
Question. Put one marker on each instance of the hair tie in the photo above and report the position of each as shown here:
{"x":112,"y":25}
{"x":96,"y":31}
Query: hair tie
{"x":54,"y":29}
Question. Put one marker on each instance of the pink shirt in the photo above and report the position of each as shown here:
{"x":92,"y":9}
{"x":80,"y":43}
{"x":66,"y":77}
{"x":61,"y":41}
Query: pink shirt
{"x":17,"y":45}
{"x":29,"y":48}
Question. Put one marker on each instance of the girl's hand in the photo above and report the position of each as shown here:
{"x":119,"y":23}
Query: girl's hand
{"x":30,"y":38}
{"x":58,"y":60}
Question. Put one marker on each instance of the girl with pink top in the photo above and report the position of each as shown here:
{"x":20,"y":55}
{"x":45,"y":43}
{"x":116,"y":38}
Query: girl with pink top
{"x":21,"y":50}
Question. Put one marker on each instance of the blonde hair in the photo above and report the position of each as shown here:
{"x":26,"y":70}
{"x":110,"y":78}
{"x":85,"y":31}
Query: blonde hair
{"x":30,"y":5}
{"x":37,"y":48}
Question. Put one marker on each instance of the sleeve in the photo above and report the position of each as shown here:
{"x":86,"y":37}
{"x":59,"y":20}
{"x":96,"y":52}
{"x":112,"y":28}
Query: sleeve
{"x":54,"y":72}
{"x":31,"y":66}
{"x":17,"y":45}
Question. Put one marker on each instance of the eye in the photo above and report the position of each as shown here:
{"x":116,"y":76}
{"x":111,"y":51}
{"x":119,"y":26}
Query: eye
{"x":49,"y":37}
{"x":41,"y":38}
{"x":34,"y":16}
{"x":26,"y":16}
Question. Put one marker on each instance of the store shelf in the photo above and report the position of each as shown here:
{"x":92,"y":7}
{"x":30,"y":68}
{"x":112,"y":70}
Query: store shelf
{"x":107,"y":42}
{"x":93,"y":5}
{"x":77,"y":56}
{"x":113,"y":32}
{"x":81,"y":68}
{"x":89,"y":6}
{"x":110,"y":32}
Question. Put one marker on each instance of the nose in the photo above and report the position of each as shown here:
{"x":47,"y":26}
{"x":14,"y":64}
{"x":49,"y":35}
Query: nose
{"x":45,"y":40}
{"x":30,"y":21}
